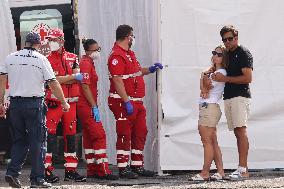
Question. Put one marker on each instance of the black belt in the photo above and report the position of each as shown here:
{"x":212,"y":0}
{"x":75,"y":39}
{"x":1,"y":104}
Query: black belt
{"x":204,"y":105}
{"x":23,"y":97}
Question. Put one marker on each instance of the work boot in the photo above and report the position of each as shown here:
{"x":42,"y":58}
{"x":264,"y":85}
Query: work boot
{"x":127,"y":173}
{"x":74,"y":175}
{"x":14,"y":182}
{"x":143,"y":172}
{"x":50,"y":177}
{"x":107,"y":177}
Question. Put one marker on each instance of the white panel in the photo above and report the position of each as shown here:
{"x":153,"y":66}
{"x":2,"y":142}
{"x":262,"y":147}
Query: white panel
{"x":98,"y":19}
{"x":190,"y":30}
{"x":30,"y":3}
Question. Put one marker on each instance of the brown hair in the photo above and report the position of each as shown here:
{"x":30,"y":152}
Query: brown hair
{"x":225,"y":58}
{"x":229,"y":28}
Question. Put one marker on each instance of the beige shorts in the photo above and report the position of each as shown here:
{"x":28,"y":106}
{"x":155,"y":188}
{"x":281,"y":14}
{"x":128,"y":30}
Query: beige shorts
{"x":237,"y":111}
{"x":209,"y":116}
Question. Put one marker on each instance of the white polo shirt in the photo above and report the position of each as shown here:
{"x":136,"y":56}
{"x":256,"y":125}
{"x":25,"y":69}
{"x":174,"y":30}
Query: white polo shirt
{"x":27,"y":72}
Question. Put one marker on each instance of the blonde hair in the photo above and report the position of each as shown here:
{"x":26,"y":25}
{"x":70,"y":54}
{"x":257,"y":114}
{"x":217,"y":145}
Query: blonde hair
{"x":225,"y":58}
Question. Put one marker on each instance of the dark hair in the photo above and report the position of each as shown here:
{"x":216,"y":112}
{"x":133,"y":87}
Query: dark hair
{"x":123,"y":31}
{"x":229,"y":28}
{"x":87,"y":43}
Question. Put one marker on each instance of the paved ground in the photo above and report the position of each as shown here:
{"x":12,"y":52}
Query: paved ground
{"x":179,"y":180}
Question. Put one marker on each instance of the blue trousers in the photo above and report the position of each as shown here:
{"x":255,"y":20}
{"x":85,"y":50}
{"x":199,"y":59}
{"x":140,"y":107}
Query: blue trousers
{"x":28,"y":132}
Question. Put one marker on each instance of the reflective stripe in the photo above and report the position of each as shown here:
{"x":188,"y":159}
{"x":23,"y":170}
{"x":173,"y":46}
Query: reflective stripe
{"x":74,"y":165}
{"x":128,"y":75}
{"x":113,"y":95}
{"x":48,"y":154}
{"x":90,"y":160}
{"x":122,"y":119}
{"x":136,"y":162}
{"x":46,"y":165}
{"x":70,"y":154}
{"x":89,"y":151}
{"x":72,"y":99}
{"x":123,"y":152}
{"x":136,"y":151}
{"x":122,"y":164}
{"x":101,"y":151}
{"x":102,"y":160}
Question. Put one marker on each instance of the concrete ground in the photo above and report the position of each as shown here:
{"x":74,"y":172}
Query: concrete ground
{"x":258,"y":179}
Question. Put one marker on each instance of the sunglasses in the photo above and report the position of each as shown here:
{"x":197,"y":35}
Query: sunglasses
{"x":227,"y":39}
{"x":218,"y":54}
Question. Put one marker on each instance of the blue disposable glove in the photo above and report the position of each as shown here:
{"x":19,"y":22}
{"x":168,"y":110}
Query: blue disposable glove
{"x":129,"y":107}
{"x":156,"y":66}
{"x":79,"y":76}
{"x":96,"y":113}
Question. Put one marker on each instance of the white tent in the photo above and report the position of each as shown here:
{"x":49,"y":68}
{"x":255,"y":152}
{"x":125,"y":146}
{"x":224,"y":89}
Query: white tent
{"x":182,"y":34}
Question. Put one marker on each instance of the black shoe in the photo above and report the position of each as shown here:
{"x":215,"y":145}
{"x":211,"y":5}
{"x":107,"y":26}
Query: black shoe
{"x":107,"y":177}
{"x":40,"y":184}
{"x":74,"y":175}
{"x":127,"y":173}
{"x":14,"y":182}
{"x":143,"y":172}
{"x":50,"y":177}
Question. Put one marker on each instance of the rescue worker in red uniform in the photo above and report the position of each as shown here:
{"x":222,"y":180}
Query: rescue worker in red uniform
{"x":94,"y":137}
{"x":127,"y":89}
{"x":66,"y":68}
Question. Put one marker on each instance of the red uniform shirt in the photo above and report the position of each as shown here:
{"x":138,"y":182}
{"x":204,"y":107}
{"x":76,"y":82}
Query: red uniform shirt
{"x":87,"y":68}
{"x":63,"y":64}
{"x":124,"y":63}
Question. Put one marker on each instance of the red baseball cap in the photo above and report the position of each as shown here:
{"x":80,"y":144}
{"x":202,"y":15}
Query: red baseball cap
{"x":55,"y":33}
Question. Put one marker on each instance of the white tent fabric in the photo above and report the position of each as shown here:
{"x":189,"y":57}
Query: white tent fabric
{"x":7,"y":33}
{"x":98,"y":19}
{"x":189,"y":32}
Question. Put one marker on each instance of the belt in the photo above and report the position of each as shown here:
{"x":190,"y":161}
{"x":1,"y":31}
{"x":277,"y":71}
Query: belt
{"x":112,"y":95}
{"x":23,"y":97}
{"x":204,"y":105}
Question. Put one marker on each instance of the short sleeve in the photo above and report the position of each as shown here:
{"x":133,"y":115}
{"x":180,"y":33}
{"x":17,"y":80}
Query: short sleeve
{"x":246,"y":59}
{"x":85,"y":69}
{"x":222,"y":71}
{"x":48,"y":73}
{"x":3,"y":66}
{"x":116,"y":66}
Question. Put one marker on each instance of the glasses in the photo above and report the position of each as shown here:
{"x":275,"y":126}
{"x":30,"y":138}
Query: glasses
{"x":227,"y":39}
{"x":132,"y":36}
{"x":98,"y":50}
{"x":216,"y":53}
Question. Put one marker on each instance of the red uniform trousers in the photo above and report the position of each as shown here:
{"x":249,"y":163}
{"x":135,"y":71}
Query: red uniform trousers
{"x":54,"y":115}
{"x":131,"y":132}
{"x":94,"y":143}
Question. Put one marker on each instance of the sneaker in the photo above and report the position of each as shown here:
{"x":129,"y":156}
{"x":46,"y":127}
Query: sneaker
{"x":40,"y":184}
{"x":143,"y":172}
{"x":198,"y":178}
{"x":239,"y":174}
{"x":50,"y":177}
{"x":14,"y":182}
{"x":74,"y":175}
{"x":127,"y":173}
{"x":217,"y":177}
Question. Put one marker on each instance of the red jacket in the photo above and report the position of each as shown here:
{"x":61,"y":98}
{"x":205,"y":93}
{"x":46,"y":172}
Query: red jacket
{"x":87,"y":68}
{"x":63,"y":64}
{"x":125,"y":64}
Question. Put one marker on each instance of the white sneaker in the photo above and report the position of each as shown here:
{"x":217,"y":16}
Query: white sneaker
{"x":239,"y":174}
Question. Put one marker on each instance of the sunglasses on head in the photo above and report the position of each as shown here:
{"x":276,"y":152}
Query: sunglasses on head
{"x":216,"y":53}
{"x":227,"y":39}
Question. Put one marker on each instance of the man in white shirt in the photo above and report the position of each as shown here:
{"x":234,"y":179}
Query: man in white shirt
{"x":27,"y":71}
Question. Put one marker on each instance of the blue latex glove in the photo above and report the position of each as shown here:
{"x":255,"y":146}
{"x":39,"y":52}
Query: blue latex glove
{"x":129,"y":107}
{"x":156,"y":66}
{"x":79,"y":76}
{"x":96,"y":113}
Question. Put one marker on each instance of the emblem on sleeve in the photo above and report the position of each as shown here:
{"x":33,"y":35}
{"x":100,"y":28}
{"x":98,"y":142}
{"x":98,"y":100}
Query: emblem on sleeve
{"x":86,"y":76}
{"x":114,"y":61}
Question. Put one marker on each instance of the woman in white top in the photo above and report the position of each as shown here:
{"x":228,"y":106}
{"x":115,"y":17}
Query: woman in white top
{"x":210,"y":114}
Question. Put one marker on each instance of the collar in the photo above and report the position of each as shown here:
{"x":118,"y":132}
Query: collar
{"x":30,"y":48}
{"x":116,"y":46}
{"x":87,"y":57}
